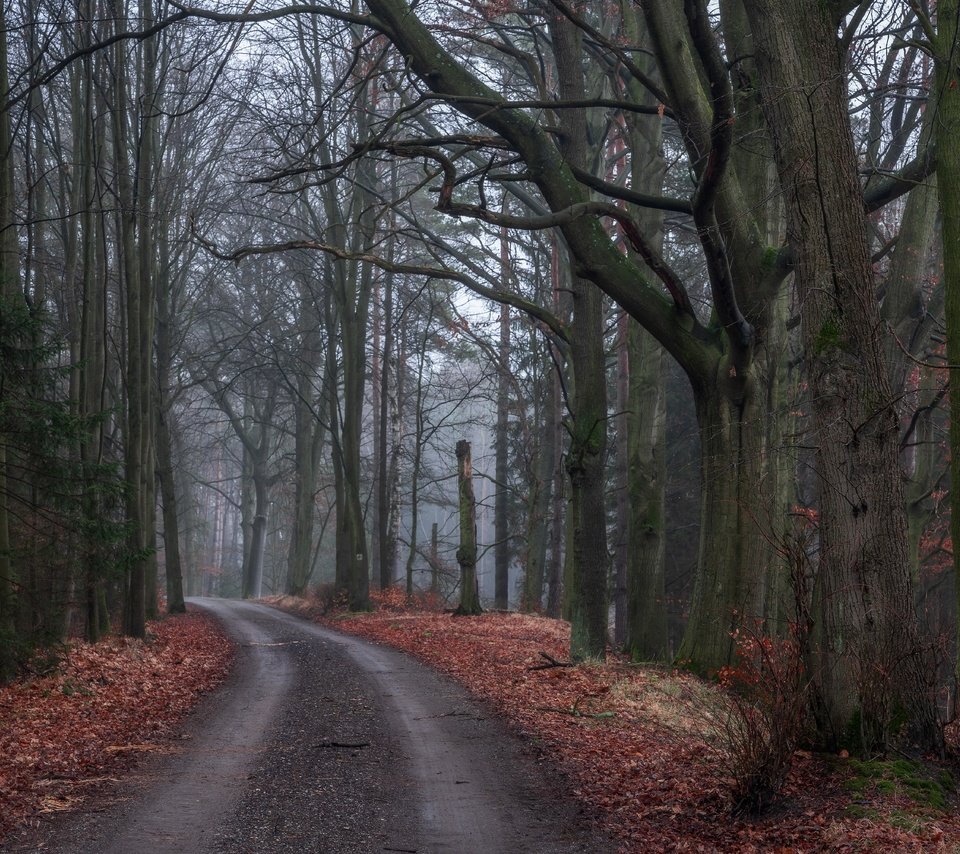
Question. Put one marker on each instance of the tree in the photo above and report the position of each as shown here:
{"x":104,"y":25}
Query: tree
{"x":945,"y":43}
{"x":467,"y":552}
{"x":870,"y":661}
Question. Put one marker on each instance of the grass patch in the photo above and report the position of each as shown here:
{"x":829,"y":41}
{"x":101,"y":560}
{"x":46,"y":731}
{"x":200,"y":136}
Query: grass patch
{"x":926,"y":788}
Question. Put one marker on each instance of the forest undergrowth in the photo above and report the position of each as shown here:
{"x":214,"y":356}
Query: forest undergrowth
{"x":640,"y":745}
{"x":99,"y":708}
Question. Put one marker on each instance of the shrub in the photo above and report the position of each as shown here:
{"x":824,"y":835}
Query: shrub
{"x":761,"y":717}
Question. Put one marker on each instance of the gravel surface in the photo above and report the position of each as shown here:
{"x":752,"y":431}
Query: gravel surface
{"x":322,"y":742}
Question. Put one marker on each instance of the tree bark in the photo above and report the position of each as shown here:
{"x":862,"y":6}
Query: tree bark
{"x":948,"y":183}
{"x":870,"y":668}
{"x":501,"y":523}
{"x":168,"y":491}
{"x":587,"y":595}
{"x":467,"y":552}
{"x":541,"y":492}
{"x":9,"y":298}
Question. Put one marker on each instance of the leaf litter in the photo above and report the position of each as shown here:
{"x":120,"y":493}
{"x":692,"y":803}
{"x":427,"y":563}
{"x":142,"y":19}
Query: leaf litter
{"x":635,"y":743}
{"x":106,"y":704}
{"x":638,"y":744}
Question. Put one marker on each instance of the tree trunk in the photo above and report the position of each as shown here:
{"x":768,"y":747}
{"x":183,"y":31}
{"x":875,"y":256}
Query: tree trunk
{"x":587,"y":595}
{"x":9,"y":296}
{"x":738,"y":504}
{"x":418,"y":441}
{"x":467,"y":552}
{"x":948,"y":182}
{"x":137,"y":382}
{"x":541,"y":491}
{"x":253,"y":577}
{"x":621,"y":550}
{"x":646,"y":617}
{"x":434,"y":560}
{"x":171,"y":524}
{"x":870,"y":667}
{"x":309,"y":435}
{"x":387,"y":460}
{"x":554,"y":567}
{"x":350,"y":528}
{"x":644,"y":453}
{"x":501,"y":519}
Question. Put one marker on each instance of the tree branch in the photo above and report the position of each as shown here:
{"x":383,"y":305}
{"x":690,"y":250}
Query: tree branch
{"x":891,"y":186}
{"x":538,"y":312}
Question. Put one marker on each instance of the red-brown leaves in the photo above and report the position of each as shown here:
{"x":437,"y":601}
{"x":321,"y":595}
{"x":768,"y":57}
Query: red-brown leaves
{"x":636,"y":745}
{"x":109,"y":702}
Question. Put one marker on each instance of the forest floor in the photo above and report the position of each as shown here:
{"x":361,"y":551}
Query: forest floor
{"x":636,"y":747}
{"x":99,"y":709}
{"x":636,"y":744}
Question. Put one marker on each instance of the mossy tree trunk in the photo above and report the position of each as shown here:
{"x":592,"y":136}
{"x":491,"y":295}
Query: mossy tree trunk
{"x":871,"y":666}
{"x":467,"y":551}
{"x":165,"y":472}
{"x":948,"y":182}
{"x":586,"y":594}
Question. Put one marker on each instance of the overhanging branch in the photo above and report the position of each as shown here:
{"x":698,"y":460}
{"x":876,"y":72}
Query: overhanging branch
{"x":536,"y":311}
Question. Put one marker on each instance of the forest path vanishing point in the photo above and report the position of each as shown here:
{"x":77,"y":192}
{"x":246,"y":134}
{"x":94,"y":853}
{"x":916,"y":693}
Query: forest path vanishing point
{"x":322,"y":742}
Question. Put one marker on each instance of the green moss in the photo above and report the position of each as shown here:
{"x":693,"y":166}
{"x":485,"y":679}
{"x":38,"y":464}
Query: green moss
{"x":769,"y":259}
{"x":851,"y":739}
{"x":857,"y":785}
{"x":906,"y":821}
{"x":902,"y":776}
{"x":829,"y":337}
{"x":859,"y":811}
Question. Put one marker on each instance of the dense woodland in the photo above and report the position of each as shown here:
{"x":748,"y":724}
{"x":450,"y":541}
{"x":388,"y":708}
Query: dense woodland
{"x":684,"y":274}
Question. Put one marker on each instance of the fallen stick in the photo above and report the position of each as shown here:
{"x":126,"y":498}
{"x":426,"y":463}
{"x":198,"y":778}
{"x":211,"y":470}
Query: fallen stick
{"x":551,"y":662}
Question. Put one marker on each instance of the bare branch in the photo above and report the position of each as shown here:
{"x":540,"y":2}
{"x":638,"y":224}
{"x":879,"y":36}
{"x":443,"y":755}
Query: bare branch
{"x":536,"y":311}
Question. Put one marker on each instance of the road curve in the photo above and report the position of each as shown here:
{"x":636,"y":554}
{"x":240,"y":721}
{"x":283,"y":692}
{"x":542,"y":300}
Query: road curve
{"x":323,"y":742}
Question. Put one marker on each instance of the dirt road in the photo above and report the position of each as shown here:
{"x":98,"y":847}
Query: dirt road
{"x":321,"y":742}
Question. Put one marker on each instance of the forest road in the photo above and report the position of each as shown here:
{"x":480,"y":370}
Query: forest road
{"x":322,"y":742}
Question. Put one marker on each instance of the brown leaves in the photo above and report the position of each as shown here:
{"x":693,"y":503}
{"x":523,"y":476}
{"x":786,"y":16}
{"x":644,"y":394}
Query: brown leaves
{"x":631,"y":742}
{"x":110,"y":702}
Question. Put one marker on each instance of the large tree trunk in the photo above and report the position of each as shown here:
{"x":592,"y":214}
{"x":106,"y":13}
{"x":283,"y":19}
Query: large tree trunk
{"x":554,"y":566}
{"x":253,"y":574}
{"x":418,"y":443}
{"x":136,"y":386}
{"x":308,"y":445}
{"x":586,"y":458}
{"x":738,"y":505}
{"x":645,"y":624}
{"x":350,"y":527}
{"x":309,"y":435}
{"x":870,"y":667}
{"x":86,"y":263}
{"x":948,"y":181}
{"x":171,"y":524}
{"x":9,"y":297}
{"x":386,"y":548}
{"x":586,"y":597}
{"x":541,"y":491}
{"x":737,"y":386}
{"x":646,"y":618}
